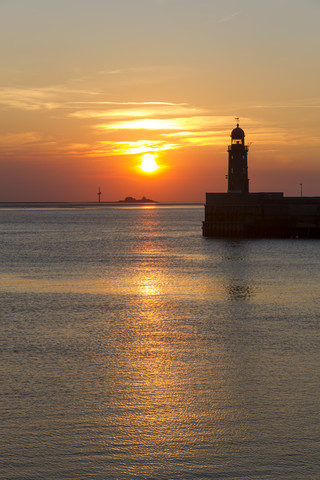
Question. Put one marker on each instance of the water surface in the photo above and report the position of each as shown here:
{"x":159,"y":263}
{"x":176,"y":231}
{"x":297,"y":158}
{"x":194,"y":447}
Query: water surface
{"x":135,"y":348}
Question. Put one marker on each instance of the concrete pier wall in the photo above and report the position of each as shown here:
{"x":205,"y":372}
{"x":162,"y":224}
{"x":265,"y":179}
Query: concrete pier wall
{"x":261,"y":215}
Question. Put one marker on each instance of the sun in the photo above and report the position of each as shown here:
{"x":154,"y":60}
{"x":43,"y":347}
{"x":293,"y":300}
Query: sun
{"x":148,"y":164}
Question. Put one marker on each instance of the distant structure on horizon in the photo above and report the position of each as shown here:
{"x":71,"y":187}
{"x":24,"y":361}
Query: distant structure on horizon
{"x":239,"y":213}
{"x":134,"y":200}
{"x":99,"y":195}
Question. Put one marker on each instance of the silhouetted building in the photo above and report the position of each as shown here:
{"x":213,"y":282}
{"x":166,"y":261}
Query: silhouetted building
{"x":239,"y":213}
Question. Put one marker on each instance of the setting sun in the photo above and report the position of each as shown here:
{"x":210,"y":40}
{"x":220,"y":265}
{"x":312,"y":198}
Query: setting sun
{"x":148,"y":164}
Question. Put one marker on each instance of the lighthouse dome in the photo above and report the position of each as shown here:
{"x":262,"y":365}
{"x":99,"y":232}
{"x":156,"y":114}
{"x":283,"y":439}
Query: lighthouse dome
{"x":237,"y":133}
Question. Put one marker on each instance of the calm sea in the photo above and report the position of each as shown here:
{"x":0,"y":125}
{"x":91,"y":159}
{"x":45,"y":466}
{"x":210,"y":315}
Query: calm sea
{"x":134,"y":348}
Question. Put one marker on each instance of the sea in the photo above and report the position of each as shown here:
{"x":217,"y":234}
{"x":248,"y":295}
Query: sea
{"x":134,"y":348}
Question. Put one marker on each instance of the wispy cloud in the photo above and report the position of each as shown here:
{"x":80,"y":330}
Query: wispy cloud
{"x":102,"y":103}
{"x":64,"y":97}
{"x":21,"y":139}
{"x":146,"y":110}
{"x":166,"y":133}
{"x":26,"y":144}
{"x":289,"y":106}
{"x":191,"y":123}
{"x":143,"y":124}
{"x":44,"y":98}
{"x":125,"y":128}
{"x":135,"y":147}
{"x":229,"y":17}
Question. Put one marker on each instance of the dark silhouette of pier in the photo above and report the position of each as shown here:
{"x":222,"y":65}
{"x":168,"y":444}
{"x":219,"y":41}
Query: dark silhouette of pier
{"x":239,"y":213}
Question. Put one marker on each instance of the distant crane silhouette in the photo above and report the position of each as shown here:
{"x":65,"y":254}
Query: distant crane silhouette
{"x":99,"y":194}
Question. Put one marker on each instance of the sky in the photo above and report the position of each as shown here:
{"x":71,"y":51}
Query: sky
{"x":89,"y":87}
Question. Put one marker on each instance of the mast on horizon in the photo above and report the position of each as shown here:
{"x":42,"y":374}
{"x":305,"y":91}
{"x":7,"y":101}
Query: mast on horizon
{"x":99,"y":194}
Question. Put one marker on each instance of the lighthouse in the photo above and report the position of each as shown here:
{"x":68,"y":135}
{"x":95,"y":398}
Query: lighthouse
{"x":238,"y":181}
{"x":241,"y":214}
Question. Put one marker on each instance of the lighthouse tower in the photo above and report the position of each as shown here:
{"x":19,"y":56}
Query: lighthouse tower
{"x":238,"y":181}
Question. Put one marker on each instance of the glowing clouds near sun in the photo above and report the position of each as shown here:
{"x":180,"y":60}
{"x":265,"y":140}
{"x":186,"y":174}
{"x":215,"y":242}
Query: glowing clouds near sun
{"x":134,"y":147}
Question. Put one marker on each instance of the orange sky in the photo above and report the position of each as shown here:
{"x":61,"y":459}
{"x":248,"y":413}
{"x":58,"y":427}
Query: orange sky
{"x":89,"y":87}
